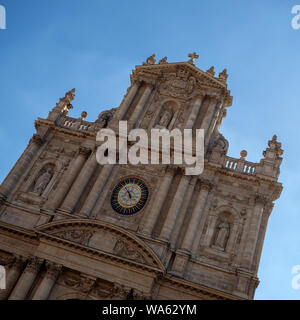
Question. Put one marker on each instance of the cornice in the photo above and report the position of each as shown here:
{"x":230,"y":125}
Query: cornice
{"x":191,"y":287}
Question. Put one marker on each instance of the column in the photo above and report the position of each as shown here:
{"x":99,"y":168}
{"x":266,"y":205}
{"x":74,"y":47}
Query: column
{"x":197,"y":213}
{"x":80,"y":184}
{"x":174,"y":209}
{"x":263,"y":227}
{"x":194,"y":113}
{"x":26,"y":280}
{"x":157,"y":201}
{"x":12,"y":275}
{"x":45,"y":287}
{"x":99,"y":203}
{"x":68,"y":178}
{"x":208,"y":118}
{"x":120,"y":113}
{"x":253,"y":231}
{"x":20,"y":167}
{"x":141,"y":104}
{"x":214,"y":122}
{"x":96,"y":190}
{"x":186,"y":202}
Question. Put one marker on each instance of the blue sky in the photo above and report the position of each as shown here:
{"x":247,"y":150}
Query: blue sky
{"x":50,"y":47}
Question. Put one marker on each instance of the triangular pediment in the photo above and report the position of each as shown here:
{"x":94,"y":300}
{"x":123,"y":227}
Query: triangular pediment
{"x":183,"y":79}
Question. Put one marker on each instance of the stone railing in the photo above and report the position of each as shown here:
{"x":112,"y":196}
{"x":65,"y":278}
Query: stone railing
{"x":76,"y":124}
{"x":239,"y":165}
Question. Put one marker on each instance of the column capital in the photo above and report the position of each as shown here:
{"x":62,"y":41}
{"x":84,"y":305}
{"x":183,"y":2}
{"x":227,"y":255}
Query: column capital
{"x":36,"y":138}
{"x":205,"y":184}
{"x":170,"y":168}
{"x":144,"y":80}
{"x":84,"y":151}
{"x":261,"y":199}
{"x":33,"y":265}
{"x":17,"y":262}
{"x":53,"y":270}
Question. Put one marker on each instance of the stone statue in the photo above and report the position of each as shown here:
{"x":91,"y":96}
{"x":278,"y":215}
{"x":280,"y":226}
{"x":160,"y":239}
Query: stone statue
{"x":164,"y":120}
{"x":151,"y":60}
{"x":163,"y":60}
{"x":42,"y":182}
{"x":222,"y":234}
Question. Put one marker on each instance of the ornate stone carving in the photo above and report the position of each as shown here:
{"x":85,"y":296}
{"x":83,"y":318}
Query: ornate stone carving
{"x":223,"y":75}
{"x":221,"y":234}
{"x":211,"y":71}
{"x":261,"y":198}
{"x":125,"y":250}
{"x":79,"y":236}
{"x":36,"y":139}
{"x":104,"y":117}
{"x":84,"y":151}
{"x":33,"y":264}
{"x":181,"y":84}
{"x":219,"y":143}
{"x":77,"y":281}
{"x":151,"y":60}
{"x":163,"y":60}
{"x":206,"y":184}
{"x":42,"y":181}
{"x":67,"y":99}
{"x":53,"y":270}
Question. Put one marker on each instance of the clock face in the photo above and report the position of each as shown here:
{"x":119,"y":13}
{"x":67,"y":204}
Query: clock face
{"x":129,"y":196}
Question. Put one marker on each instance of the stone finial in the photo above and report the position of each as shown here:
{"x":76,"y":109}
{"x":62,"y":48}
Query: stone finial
{"x":63,"y":106}
{"x":223,"y":75}
{"x":151,"y":60}
{"x":163,"y":60}
{"x":84,"y":115}
{"x":243,"y":154}
{"x":270,"y":164}
{"x":211,"y":71}
{"x":69,"y":96}
{"x":192,"y":57}
{"x":67,"y":99}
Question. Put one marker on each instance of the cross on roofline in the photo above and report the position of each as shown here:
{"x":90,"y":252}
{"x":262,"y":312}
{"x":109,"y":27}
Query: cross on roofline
{"x":193,"y":56}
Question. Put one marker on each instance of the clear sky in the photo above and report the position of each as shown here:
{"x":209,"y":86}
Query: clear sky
{"x":52,"y":46}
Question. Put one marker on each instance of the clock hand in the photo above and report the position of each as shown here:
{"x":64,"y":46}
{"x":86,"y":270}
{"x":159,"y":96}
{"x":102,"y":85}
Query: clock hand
{"x":128,"y":193}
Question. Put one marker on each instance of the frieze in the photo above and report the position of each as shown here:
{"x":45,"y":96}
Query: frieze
{"x":123,"y":249}
{"x":79,"y":236}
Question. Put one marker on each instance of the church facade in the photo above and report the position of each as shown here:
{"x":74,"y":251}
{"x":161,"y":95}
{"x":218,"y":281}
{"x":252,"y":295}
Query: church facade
{"x":68,"y":232}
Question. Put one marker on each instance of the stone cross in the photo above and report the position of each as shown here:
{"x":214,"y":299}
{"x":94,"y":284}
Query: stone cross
{"x":193,"y":56}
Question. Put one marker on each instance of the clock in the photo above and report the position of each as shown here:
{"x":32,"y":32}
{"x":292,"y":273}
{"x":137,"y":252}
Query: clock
{"x":129,"y":196}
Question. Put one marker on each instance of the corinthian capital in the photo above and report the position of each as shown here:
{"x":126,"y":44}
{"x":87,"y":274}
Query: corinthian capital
{"x":261,"y":199}
{"x":36,"y":139}
{"x":53,"y":270}
{"x":206,"y":185}
{"x":33,"y":264}
{"x":84,"y":151}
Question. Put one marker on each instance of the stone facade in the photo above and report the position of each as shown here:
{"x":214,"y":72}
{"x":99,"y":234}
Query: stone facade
{"x":197,"y":237}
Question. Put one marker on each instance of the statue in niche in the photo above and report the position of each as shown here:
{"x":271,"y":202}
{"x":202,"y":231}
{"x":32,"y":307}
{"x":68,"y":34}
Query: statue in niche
{"x":164,"y":120}
{"x":222,"y":235}
{"x":42,"y":182}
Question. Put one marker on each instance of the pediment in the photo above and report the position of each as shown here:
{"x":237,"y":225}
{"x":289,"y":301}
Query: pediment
{"x":183,"y":79}
{"x":102,"y":238}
